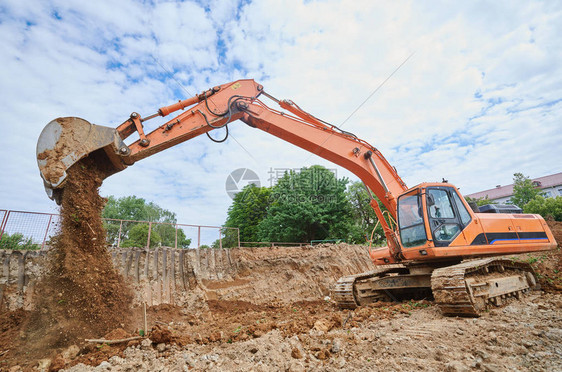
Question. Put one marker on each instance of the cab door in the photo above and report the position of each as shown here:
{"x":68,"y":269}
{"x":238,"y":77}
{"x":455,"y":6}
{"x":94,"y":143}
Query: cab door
{"x":447,"y":216}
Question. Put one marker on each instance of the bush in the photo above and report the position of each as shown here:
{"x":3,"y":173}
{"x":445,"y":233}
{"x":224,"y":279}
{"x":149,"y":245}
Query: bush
{"x":17,"y":241}
{"x":546,"y":207}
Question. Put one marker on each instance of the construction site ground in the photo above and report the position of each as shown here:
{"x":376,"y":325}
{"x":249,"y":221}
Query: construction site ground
{"x":276,"y":315}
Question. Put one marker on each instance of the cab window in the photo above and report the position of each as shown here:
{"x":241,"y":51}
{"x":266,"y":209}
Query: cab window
{"x":410,"y":221}
{"x":463,"y":212}
{"x":444,"y":216}
{"x":441,"y":206}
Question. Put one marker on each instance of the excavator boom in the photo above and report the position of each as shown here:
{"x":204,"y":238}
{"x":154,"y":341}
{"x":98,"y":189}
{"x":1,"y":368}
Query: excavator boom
{"x":65,"y":141}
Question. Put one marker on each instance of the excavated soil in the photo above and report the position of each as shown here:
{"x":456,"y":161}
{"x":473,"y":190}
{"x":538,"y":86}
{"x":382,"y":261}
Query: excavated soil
{"x":275,"y":314}
{"x":549,"y":264}
{"x":523,"y":336}
{"x":81,"y":295}
{"x":281,"y":275}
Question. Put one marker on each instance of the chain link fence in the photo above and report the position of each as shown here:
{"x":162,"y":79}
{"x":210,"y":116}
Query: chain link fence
{"x":272,"y":244}
{"x":21,"y":230}
{"x":26,"y":230}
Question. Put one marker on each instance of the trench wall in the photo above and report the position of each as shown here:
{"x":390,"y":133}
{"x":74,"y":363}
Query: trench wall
{"x":163,"y":275}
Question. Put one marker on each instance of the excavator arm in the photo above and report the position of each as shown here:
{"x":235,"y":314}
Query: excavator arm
{"x":65,"y":141}
{"x":61,"y":145}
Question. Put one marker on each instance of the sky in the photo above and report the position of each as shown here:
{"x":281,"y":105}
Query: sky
{"x":478,"y":96}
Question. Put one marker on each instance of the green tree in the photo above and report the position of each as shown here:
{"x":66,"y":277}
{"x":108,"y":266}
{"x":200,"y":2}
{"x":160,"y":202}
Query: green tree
{"x":307,"y":205}
{"x":546,"y":207}
{"x":17,"y":241}
{"x":138,"y":237}
{"x":364,"y":216}
{"x":247,"y":210}
{"x":480,"y":201}
{"x":138,"y":209}
{"x":229,"y":238}
{"x":167,"y":232}
{"x":523,"y":190}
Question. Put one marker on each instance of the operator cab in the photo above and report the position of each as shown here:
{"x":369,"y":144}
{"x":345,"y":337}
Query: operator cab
{"x":431,"y":215}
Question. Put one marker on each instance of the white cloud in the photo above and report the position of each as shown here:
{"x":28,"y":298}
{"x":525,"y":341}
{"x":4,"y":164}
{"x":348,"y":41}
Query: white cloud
{"x":478,"y":100}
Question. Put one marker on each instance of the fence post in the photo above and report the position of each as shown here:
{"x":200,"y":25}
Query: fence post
{"x":119,"y":236}
{"x":198,"y":237}
{"x":148,"y":240}
{"x":4,"y":222}
{"x":220,"y":238}
{"x":238,"y":230}
{"x":176,"y":236}
{"x":46,"y":232}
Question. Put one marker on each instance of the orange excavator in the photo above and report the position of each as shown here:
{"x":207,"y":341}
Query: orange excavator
{"x":437,"y":244}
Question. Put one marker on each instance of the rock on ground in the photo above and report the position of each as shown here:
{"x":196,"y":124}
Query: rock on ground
{"x":523,"y":336}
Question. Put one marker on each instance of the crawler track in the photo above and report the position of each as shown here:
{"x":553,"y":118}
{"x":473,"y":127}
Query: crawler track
{"x":467,"y":289}
{"x":345,"y":293}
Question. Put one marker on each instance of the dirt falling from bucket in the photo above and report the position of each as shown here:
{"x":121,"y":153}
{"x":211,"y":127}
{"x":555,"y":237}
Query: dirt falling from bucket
{"x":81,"y":295}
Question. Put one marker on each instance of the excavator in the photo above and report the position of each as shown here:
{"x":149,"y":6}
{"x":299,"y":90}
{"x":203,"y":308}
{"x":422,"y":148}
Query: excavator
{"x":437,"y":245}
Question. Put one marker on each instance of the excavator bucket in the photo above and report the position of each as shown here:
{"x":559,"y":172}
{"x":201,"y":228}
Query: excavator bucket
{"x":64,"y":141}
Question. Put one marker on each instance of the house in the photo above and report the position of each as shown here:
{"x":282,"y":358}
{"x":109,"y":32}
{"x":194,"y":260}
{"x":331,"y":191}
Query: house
{"x":551,"y":186}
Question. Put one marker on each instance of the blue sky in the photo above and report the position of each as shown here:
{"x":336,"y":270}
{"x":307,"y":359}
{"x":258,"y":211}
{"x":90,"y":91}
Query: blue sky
{"x":479,"y":100}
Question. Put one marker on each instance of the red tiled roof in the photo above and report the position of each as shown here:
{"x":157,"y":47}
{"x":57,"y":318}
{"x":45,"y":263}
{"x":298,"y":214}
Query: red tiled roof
{"x":504,"y":191}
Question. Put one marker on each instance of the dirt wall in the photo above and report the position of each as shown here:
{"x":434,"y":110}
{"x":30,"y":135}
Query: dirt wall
{"x":174,"y":276}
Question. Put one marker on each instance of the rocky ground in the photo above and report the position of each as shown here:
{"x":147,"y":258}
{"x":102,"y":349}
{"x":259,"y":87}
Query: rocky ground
{"x":276,"y":315}
{"x":524,"y":335}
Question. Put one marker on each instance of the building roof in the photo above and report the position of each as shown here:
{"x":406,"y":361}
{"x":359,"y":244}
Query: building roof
{"x":504,"y":191}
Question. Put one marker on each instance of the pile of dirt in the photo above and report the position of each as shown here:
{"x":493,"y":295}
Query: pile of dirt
{"x":81,"y":294}
{"x":548,"y":265}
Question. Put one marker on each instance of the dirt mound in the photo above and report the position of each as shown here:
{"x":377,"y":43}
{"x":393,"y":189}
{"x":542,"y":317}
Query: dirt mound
{"x":549,"y":264}
{"x":81,"y":295}
{"x":287,"y":274}
{"x":556,"y":228}
{"x":159,"y":335}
